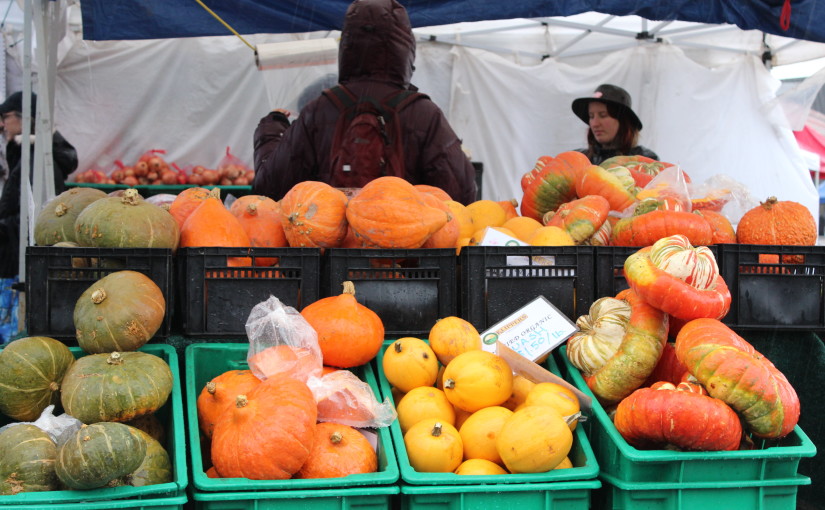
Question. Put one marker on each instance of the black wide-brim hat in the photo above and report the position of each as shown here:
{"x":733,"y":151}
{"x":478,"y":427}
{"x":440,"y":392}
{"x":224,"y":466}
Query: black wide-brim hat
{"x":608,"y":94}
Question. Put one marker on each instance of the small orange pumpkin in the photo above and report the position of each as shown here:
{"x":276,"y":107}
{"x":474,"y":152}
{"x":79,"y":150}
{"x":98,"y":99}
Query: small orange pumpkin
{"x":339,"y":450}
{"x":187,"y":201}
{"x":777,"y":222}
{"x":219,"y":394}
{"x":451,"y":336}
{"x":211,"y":224}
{"x":349,"y":333}
{"x":434,"y":446}
{"x":260,"y":217}
{"x":313,"y":215}
{"x":446,"y":236}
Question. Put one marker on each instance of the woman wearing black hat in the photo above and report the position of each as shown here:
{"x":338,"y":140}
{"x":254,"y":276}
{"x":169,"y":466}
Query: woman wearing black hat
{"x":614,"y":127}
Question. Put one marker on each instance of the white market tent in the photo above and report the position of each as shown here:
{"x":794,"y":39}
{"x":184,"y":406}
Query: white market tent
{"x":703,"y":92}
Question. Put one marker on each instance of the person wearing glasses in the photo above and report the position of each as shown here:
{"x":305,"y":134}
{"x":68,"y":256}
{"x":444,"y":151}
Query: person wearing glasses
{"x":65,"y":162}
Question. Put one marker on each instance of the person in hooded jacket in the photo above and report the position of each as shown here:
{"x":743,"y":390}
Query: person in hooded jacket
{"x":65,"y":162}
{"x":375,"y":59}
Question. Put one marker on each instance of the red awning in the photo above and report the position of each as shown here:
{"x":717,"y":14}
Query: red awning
{"x":813,"y":141}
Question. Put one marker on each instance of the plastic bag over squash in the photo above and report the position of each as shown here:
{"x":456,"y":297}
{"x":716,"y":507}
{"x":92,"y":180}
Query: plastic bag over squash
{"x":343,"y":398}
{"x":281,"y":341}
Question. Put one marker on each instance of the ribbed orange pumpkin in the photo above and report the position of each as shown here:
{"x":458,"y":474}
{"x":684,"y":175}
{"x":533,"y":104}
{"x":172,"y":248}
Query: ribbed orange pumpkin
{"x":313,"y":215}
{"x":349,"y":333}
{"x":434,"y":191}
{"x":219,"y":395}
{"x":777,"y":222}
{"x":187,"y":201}
{"x":389,"y":213}
{"x":446,"y":236}
{"x":339,"y":450}
{"x":720,"y":226}
{"x":269,"y":433}
{"x":260,"y":217}
{"x":211,"y":224}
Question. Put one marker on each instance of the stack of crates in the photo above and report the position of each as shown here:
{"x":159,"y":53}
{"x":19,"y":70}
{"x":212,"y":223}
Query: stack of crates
{"x":163,"y":496}
{"x":204,"y":361}
{"x":764,"y":478}
{"x":568,"y":489}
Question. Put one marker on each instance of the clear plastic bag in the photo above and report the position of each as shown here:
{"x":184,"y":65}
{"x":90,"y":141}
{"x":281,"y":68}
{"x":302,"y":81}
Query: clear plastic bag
{"x":668,"y":190}
{"x":724,"y":194}
{"x":281,"y":341}
{"x":60,"y":428}
{"x":343,"y":398}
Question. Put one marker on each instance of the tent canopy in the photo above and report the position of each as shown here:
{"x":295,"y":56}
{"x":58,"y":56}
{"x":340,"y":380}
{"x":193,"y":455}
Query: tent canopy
{"x":154,"y":19}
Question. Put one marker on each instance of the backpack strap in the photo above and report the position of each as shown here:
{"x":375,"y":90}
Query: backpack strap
{"x":341,"y":97}
{"x":402,"y":98}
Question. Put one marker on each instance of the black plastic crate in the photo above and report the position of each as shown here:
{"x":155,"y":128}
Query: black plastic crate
{"x":785,"y":293}
{"x":216,"y":299}
{"x":610,"y":278}
{"x":53,"y":284}
{"x":408,"y":289}
{"x":497,"y":280}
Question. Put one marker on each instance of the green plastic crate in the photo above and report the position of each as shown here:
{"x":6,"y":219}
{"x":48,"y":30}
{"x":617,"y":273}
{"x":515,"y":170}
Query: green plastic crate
{"x":778,"y":494}
{"x":360,"y":498}
{"x":208,"y":360}
{"x":774,"y":460}
{"x":573,"y":495}
{"x":171,"y":415}
{"x":171,"y":503}
{"x":581,"y":455}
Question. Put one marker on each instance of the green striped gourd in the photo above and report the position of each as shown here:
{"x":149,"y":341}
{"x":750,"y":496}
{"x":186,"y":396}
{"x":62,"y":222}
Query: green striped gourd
{"x":118,"y":386}
{"x":98,"y":454}
{"x":31,"y":372}
{"x":27,"y":458}
{"x":55,"y":222}
{"x":155,"y":468}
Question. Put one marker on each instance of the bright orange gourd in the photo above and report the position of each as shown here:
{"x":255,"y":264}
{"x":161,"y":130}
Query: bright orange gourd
{"x":349,"y":333}
{"x":313,"y":215}
{"x":721,"y":228}
{"x":580,"y":218}
{"x":260,"y":217}
{"x":434,"y":446}
{"x":423,"y":402}
{"x":389,"y":213}
{"x":409,"y":363}
{"x":446,"y":236}
{"x":219,"y":395}
{"x":339,"y":450}
{"x":777,"y":222}
{"x":451,"y":336}
{"x":211,"y":224}
{"x":187,"y":201}
{"x":269,"y":433}
{"x":477,"y":379}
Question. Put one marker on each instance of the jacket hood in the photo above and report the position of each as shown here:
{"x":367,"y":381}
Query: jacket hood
{"x":376,"y":43}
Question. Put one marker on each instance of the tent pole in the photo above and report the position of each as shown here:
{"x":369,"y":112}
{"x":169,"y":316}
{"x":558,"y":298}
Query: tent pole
{"x":46,"y":57}
{"x":25,"y":155}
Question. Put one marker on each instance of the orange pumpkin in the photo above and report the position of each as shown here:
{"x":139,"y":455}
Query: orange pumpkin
{"x":777,"y":222}
{"x":349,"y":333}
{"x":580,"y":218}
{"x":451,"y":336}
{"x":509,"y":207}
{"x":260,"y":217}
{"x":722,"y":230}
{"x":339,"y":450}
{"x":219,"y":395}
{"x":615,"y":184}
{"x":313,"y":215}
{"x":187,"y":201}
{"x":269,"y":434}
{"x":211,"y":224}
{"x":434,"y":446}
{"x":446,"y":236}
{"x":389,"y":213}
{"x":434,"y":191}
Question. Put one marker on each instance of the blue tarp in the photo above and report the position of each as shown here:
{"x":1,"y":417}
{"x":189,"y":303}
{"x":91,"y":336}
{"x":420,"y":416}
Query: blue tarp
{"x":164,"y":19}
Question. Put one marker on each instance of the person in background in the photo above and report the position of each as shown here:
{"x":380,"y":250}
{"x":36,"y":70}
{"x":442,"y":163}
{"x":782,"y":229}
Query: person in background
{"x":375,"y":60}
{"x":613,"y":126}
{"x":65,"y":162}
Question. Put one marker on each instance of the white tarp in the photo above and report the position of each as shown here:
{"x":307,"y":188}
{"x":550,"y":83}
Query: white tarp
{"x":194,"y":97}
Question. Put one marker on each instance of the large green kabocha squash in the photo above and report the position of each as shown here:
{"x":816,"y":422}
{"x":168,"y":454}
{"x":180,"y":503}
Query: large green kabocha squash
{"x":127,"y":221}
{"x":27,"y":457}
{"x":98,"y":454}
{"x":31,"y":372}
{"x":120,"y":312}
{"x":55,"y":222}
{"x":155,"y":468}
{"x":118,"y":386}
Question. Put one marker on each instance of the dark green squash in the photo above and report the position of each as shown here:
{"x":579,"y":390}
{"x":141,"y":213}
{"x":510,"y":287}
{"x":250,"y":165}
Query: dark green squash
{"x":120,"y":312}
{"x":127,"y":221}
{"x":27,"y":458}
{"x":150,"y":424}
{"x":119,"y":386}
{"x":155,"y":468}
{"x":55,"y":222}
{"x":98,"y":454}
{"x":31,"y":372}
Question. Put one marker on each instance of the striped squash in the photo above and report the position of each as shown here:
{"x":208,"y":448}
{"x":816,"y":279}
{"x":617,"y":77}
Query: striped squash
{"x":27,"y":456}
{"x":155,"y":468}
{"x":97,"y":454}
{"x":55,"y":222}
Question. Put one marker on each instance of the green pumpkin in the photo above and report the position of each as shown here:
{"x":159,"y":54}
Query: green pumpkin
{"x":127,"y":221}
{"x":119,"y":386}
{"x":98,"y":454}
{"x":150,"y":424}
{"x":155,"y":468}
{"x":120,"y":312}
{"x":31,"y":372}
{"x":55,"y":222}
{"x":27,"y":458}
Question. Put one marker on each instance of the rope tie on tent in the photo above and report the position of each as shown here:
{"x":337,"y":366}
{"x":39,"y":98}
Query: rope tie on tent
{"x":224,"y":23}
{"x":785,"y":17}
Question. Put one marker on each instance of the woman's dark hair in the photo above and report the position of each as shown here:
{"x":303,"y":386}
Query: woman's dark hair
{"x":627,"y":136}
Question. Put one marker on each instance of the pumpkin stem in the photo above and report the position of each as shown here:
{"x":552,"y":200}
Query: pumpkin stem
{"x":336,"y":437}
{"x":130,"y":197}
{"x":54,"y":386}
{"x":436,"y":429}
{"x":397,"y":347}
{"x":449,"y":383}
{"x":98,"y":296}
{"x":115,"y":358}
{"x":215,"y":193}
{"x":769,"y":203}
{"x":211,"y":387}
{"x":349,"y":288}
{"x":61,"y":209}
{"x":241,"y":401}
{"x":252,"y":209}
